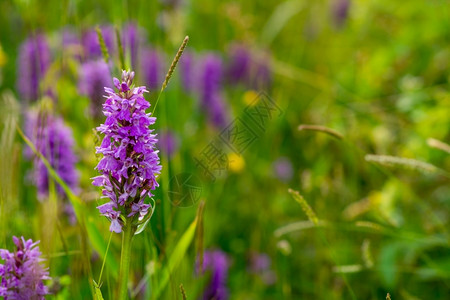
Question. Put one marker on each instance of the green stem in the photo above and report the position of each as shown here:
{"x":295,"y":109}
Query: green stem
{"x":104,"y":259}
{"x":125,"y":258}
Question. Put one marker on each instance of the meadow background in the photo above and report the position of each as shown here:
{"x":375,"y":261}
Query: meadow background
{"x":374,"y":213}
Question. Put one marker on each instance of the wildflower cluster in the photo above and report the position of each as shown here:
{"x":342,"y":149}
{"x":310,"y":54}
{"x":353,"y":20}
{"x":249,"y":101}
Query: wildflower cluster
{"x":55,"y":141}
{"x":94,"y":76}
{"x":33,"y":63}
{"x":130,"y":162}
{"x":211,"y":90}
{"x":23,"y":274}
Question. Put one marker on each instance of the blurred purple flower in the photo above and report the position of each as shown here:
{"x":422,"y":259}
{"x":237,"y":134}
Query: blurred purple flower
{"x":130,"y":162}
{"x":187,"y":69}
{"x":282,"y":169}
{"x":132,"y":37}
{"x":211,"y":88}
{"x":55,"y":141}
{"x":212,"y":76}
{"x":260,"y":264}
{"x":217,"y":264}
{"x":168,"y":142}
{"x":93,"y":77}
{"x":239,"y":64}
{"x":69,"y":37}
{"x":153,"y":66}
{"x":261,"y":73}
{"x":340,"y":10}
{"x":71,"y":43}
{"x":217,"y":111}
{"x":22,"y":274}
{"x":247,"y":68}
{"x":172,"y":3}
{"x":91,"y":45}
{"x":33,"y":62}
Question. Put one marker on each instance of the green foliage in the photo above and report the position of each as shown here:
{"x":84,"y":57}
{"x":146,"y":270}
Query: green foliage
{"x":376,"y":84}
{"x":175,"y":258}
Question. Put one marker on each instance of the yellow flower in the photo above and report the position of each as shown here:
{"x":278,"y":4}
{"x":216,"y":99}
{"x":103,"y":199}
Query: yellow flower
{"x":249,"y":97}
{"x":2,"y":57}
{"x":236,"y":163}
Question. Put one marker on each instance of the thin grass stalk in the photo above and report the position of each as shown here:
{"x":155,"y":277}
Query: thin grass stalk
{"x":305,"y":206}
{"x":200,"y":232}
{"x":104,"y":260}
{"x":183,"y":292}
{"x":323,"y":129}
{"x":437,"y":144}
{"x":171,"y":69}
{"x":102,"y":43}
{"x":408,"y":163}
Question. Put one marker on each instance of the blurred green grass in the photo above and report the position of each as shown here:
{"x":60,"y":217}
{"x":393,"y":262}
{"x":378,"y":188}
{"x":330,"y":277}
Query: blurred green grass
{"x":381,"y":80}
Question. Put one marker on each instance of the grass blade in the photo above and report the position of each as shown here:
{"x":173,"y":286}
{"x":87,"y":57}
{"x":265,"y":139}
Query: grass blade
{"x":323,"y":129}
{"x":437,"y":144}
{"x":175,"y":258}
{"x":408,"y":163}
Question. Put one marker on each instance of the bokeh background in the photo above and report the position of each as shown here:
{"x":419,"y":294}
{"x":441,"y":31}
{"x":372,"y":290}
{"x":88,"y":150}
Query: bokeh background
{"x":374,"y":179}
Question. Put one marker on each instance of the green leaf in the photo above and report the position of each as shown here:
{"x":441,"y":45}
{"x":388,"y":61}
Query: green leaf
{"x":175,"y":258}
{"x":98,"y":293}
{"x":281,"y":15}
{"x":144,"y":224}
{"x":388,"y":263}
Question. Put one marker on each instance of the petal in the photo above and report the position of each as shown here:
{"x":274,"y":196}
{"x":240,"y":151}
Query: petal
{"x":115,"y":226}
